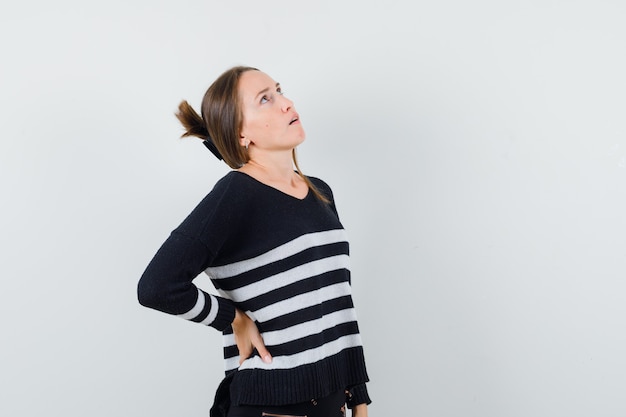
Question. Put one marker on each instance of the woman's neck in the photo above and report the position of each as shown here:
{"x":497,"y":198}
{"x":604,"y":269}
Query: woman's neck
{"x":277,"y":174}
{"x":271,"y":168}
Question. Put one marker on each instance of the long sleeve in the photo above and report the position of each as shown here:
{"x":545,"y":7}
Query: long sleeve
{"x":166,"y":285}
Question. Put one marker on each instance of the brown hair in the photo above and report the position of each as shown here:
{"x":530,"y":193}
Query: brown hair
{"x":222,"y":119}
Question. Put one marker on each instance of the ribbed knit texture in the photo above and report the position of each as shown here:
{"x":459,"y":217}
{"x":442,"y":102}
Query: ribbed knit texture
{"x":285,"y":262}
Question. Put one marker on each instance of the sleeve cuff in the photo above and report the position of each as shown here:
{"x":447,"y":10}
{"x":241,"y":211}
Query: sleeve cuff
{"x":357,"y":395}
{"x":225,"y":314}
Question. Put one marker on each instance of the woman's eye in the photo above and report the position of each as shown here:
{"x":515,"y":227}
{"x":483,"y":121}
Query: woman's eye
{"x":264,"y":99}
{"x":279,"y":91}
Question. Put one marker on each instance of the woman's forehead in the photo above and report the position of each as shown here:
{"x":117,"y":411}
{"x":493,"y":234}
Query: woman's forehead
{"x":252,"y":82}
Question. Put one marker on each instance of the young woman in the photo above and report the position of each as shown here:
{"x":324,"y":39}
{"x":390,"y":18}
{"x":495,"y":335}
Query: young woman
{"x":271,"y":242}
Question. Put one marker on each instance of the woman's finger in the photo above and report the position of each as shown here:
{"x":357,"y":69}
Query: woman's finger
{"x":257,"y":342}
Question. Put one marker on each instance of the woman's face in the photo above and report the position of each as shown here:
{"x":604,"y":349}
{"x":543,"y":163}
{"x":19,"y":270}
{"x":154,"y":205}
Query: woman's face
{"x":270,"y":121}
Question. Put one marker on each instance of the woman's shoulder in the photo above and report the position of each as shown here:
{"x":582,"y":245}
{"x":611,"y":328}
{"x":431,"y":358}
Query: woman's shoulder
{"x":235,"y":182}
{"x":322,"y":186}
{"x":226,"y":192}
{"x":318,"y":182}
{"x":225,"y":201}
{"x":227,"y":181}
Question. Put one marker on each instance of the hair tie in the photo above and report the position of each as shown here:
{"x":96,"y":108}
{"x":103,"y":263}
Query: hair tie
{"x":208,"y":142}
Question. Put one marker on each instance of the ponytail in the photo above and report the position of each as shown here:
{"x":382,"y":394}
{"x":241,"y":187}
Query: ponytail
{"x":191,"y":121}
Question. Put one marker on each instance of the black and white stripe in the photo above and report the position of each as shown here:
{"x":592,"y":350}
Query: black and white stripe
{"x":202,"y":312}
{"x":314,"y":282}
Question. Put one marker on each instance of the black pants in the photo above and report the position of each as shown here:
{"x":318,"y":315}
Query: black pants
{"x":331,"y":406}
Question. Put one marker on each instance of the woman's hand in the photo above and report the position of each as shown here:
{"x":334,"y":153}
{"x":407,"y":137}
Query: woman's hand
{"x":360,"y":411}
{"x":247,"y":338}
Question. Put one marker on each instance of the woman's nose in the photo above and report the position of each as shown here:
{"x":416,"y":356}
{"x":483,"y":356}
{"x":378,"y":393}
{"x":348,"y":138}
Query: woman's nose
{"x":286,"y":105}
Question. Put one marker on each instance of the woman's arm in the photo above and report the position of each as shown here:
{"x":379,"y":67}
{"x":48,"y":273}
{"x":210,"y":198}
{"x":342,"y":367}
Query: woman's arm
{"x":358,"y":399}
{"x":360,"y":411}
{"x":166,"y":284}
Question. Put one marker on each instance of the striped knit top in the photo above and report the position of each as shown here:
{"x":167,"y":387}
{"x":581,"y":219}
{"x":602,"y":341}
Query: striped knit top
{"x":285,"y":262}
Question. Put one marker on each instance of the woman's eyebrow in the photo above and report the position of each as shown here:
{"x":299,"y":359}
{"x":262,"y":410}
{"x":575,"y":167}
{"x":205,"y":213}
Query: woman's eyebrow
{"x":265,"y":90}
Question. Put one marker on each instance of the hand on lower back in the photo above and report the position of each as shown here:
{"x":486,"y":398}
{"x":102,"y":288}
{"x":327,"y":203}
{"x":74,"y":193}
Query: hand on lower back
{"x":248,"y":338}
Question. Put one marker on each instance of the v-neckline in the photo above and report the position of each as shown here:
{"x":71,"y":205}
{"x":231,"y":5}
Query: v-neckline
{"x":308,"y":192}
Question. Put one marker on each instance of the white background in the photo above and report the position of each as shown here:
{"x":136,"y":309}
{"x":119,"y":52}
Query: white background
{"x":477,"y":151}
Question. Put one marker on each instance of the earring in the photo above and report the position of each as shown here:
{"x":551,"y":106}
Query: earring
{"x":247,"y":143}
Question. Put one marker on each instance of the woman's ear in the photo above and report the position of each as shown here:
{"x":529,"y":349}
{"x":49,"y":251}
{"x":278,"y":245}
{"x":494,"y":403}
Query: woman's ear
{"x":244,"y":141}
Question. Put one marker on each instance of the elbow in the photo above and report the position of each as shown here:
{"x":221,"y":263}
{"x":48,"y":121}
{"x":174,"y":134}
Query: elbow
{"x":148,"y":294}
{"x":155,"y":293}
